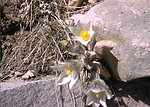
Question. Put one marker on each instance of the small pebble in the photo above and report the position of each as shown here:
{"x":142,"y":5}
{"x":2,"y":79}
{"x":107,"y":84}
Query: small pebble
{"x":28,"y":75}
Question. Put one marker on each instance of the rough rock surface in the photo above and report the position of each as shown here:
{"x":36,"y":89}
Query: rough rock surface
{"x":42,"y":93}
{"x":127,"y":24}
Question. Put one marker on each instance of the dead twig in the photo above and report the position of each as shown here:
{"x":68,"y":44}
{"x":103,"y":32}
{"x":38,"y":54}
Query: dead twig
{"x":58,"y":49}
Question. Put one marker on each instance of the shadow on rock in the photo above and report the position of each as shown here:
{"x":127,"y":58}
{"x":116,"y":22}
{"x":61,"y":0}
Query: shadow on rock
{"x":131,"y":93}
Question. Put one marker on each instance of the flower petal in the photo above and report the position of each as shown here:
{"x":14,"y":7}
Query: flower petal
{"x":100,"y":83}
{"x":77,"y":38}
{"x":103,"y":101}
{"x":87,"y":26}
{"x":91,"y":27}
{"x":74,"y":31}
{"x":96,"y":104}
{"x":89,"y":101}
{"x":108,"y":94}
{"x":65,"y":80}
{"x":91,"y":32}
{"x":59,"y":67}
{"x":61,"y":76}
{"x":79,"y":26}
{"x":97,"y":89}
{"x":75,"y":73}
{"x":72,"y":82}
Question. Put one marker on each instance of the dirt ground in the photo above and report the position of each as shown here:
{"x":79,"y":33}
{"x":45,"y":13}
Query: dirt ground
{"x":22,"y":48}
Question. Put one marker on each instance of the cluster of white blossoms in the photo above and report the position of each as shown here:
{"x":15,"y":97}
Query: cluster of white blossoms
{"x":99,"y":90}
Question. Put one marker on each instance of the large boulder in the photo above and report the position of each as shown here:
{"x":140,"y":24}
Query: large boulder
{"x":127,"y":24}
{"x":41,"y":93}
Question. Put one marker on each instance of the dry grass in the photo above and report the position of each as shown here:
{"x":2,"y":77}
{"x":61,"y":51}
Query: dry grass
{"x":43,"y":37}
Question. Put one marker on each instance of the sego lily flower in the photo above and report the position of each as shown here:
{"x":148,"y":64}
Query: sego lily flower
{"x":70,"y":74}
{"x":82,"y":32}
{"x":98,"y":93}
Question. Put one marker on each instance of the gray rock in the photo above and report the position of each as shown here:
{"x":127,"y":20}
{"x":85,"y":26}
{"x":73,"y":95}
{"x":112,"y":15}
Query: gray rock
{"x":126,"y":23}
{"x":42,"y":93}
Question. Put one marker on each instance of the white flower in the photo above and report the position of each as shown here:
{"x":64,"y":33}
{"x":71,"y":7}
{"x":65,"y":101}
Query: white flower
{"x":82,"y":32}
{"x":70,"y":74}
{"x":98,"y":93}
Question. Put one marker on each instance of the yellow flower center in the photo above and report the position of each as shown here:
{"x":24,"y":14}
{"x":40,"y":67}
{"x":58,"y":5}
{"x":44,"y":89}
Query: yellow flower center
{"x":84,"y":34}
{"x":97,"y":95}
{"x":68,"y":70}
